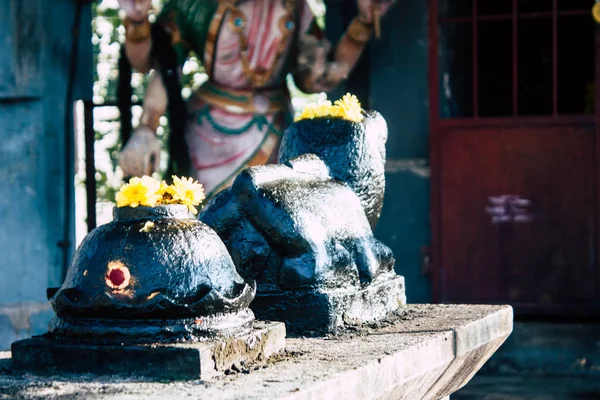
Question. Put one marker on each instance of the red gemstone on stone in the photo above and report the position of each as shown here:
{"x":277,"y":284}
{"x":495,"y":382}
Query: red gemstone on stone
{"x":116,"y":277}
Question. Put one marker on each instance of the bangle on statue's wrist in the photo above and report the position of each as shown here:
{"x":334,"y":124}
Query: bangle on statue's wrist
{"x":150,"y":119}
{"x":358,"y":31}
{"x":137,"y":31}
{"x":361,"y":17}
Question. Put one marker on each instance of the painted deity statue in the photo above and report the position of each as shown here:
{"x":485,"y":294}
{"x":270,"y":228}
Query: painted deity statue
{"x":236,"y":119}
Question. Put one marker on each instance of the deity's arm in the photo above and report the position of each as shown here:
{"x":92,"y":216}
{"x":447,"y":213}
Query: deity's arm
{"x":138,"y":49}
{"x":138,"y":40}
{"x":321,"y":69}
{"x":138,"y":54}
{"x":139,"y":34}
{"x":141,"y":154}
{"x":155,"y":102}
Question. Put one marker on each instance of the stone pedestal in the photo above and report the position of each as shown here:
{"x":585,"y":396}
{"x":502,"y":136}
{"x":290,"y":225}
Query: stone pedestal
{"x":428,"y":353}
{"x":322,"y":311}
{"x":182,"y":361}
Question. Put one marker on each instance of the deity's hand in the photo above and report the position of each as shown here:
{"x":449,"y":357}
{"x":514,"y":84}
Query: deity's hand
{"x":319,"y":73}
{"x":136,"y":10}
{"x":141,"y":155}
{"x":312,"y":57}
{"x":368,"y":8}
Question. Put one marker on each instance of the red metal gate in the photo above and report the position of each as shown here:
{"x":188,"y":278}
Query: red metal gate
{"x":514,"y":153}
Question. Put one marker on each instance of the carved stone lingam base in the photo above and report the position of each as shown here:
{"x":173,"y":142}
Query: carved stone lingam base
{"x":152,"y":293}
{"x":157,"y":361}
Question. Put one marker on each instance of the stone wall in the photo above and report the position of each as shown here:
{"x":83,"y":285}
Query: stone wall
{"x":399,"y":91}
{"x":392,"y":78}
{"x":35,"y":46}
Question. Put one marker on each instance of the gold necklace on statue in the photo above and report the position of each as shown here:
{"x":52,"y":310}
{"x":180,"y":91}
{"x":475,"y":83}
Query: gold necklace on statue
{"x":286,"y":24}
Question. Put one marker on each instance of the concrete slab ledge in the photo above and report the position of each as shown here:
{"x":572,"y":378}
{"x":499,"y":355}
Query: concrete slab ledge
{"x":427,"y":353}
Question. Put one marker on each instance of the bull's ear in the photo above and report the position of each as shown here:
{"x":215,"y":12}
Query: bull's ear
{"x":375,"y":123}
{"x":376,"y":129}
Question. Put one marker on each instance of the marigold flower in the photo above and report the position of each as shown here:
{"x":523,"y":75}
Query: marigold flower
{"x":348,"y":108}
{"x":351,"y":106}
{"x":163,"y":192}
{"x":185,"y":191}
{"x":139,"y":192}
{"x":147,"y":191}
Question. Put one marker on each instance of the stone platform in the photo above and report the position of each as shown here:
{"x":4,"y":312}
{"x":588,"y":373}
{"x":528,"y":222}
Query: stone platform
{"x":323,"y":311}
{"x":429,"y":352}
{"x":184,"y":361}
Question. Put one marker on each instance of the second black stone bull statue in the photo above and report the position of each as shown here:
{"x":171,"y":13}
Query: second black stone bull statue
{"x":303,"y":228}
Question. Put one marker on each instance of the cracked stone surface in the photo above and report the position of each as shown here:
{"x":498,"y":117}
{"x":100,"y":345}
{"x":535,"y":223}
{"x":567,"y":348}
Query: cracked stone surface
{"x":428,"y":352}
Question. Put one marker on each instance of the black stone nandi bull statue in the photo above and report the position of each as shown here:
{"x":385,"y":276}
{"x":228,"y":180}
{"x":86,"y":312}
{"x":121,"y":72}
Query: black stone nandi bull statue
{"x":303,"y":228}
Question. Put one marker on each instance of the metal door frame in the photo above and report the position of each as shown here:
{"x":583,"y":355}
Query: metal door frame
{"x":437,"y":124}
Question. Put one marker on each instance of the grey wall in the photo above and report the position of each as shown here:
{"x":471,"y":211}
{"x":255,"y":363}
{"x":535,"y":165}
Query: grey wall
{"x":396,"y":80}
{"x":35,"y":47}
{"x":399,"y":91}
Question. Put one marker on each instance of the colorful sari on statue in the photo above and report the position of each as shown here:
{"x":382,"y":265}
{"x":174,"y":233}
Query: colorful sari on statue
{"x":247,"y":47}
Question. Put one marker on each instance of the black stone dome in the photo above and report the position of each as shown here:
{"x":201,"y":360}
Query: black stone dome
{"x":152,"y":264}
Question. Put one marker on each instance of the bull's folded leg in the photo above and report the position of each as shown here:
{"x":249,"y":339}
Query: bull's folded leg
{"x":372,"y":258}
{"x":329,"y":265}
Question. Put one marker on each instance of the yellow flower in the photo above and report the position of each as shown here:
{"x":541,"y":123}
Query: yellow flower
{"x":348,"y":108}
{"x":185,"y":191}
{"x":351,"y":106}
{"x":596,"y":12}
{"x":163,"y":192}
{"x":139,"y":192}
{"x":315,"y":110}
